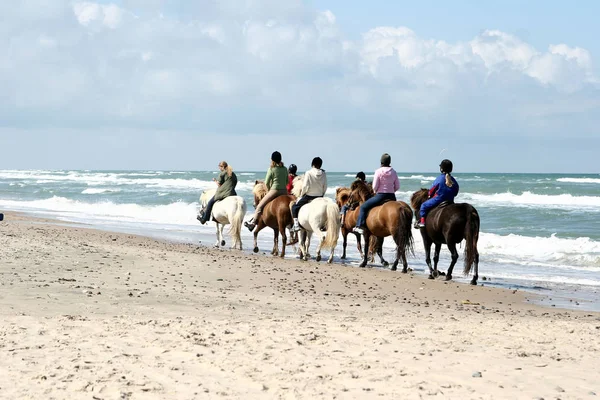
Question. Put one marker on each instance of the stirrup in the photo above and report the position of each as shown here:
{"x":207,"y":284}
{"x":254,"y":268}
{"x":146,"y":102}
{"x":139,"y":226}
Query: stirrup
{"x":250,"y":225}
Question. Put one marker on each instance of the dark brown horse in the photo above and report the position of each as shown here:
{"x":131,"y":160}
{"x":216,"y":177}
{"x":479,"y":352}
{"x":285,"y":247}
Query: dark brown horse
{"x":275,"y":215}
{"x":449,"y":224}
{"x":375,"y":244}
{"x":393,"y":218}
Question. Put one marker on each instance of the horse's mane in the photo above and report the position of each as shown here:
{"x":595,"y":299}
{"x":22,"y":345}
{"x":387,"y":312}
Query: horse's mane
{"x":297,"y":184}
{"x":361,"y":191}
{"x":260,"y":189}
{"x":342,"y":194}
{"x":206,"y":195}
{"x":418,"y":198}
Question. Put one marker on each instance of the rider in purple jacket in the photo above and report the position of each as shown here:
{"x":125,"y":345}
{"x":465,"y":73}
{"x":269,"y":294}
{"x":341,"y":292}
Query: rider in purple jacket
{"x":444,"y":188}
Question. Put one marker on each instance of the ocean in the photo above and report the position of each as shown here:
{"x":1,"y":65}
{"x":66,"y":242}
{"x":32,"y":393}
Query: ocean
{"x":539,"y":232}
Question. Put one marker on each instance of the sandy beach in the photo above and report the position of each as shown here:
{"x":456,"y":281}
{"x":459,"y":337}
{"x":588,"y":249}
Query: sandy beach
{"x":88,"y":314}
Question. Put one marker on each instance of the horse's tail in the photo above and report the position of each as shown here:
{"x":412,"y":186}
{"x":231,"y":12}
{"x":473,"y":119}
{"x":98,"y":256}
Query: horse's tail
{"x":404,"y":237}
{"x":471,"y":237}
{"x":238,"y":218}
{"x":333,"y":226}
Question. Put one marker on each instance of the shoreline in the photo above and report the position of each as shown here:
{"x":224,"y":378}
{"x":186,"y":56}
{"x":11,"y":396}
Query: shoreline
{"x":93,"y":313}
{"x":579,"y":298}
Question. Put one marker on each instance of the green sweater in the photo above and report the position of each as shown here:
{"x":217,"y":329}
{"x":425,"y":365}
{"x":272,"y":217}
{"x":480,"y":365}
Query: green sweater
{"x":226,"y":186}
{"x":277,"y":178}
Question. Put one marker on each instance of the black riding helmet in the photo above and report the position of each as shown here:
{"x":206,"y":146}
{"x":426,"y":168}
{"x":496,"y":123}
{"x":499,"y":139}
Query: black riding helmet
{"x":292,"y":169}
{"x":276,"y":157}
{"x":446,"y":166}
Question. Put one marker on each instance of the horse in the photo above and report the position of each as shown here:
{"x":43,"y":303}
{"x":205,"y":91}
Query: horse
{"x":321,"y":216}
{"x":276,"y":215}
{"x":341,"y":198}
{"x":449,"y":224}
{"x":230,"y":210}
{"x":392,"y":218}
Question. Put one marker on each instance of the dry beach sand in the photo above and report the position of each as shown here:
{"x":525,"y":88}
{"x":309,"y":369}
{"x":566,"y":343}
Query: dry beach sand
{"x":87,"y":314}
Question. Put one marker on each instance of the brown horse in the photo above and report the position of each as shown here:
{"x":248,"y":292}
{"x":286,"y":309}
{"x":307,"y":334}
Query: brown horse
{"x":275,"y":215}
{"x":393,"y":218}
{"x":342,"y":194}
{"x":449,"y":224}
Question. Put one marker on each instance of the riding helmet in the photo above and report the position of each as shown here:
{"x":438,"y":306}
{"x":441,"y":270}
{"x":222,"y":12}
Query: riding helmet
{"x":292,"y":169}
{"x":276,"y":157}
{"x":446,"y":166}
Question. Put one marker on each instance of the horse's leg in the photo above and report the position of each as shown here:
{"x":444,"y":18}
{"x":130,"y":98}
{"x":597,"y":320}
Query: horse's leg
{"x":275,"y":250}
{"x":303,"y":246}
{"x":359,"y":245}
{"x":379,"y":250}
{"x":321,"y":240}
{"x":427,"y":245}
{"x":454,"y":252}
{"x":436,"y":259}
{"x":282,"y":229}
{"x":221,"y":237}
{"x":344,"y":242}
{"x":476,"y":276}
{"x":258,"y":228}
{"x":367,"y":236}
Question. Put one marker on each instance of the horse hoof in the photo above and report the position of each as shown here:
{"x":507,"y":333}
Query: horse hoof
{"x":362,"y":265}
{"x":404,"y":270}
{"x":342,"y":257}
{"x":448,"y":277}
{"x":474,"y":282}
{"x":393,"y":268}
{"x":256,"y":249}
{"x":430,"y":276}
{"x":222,"y":243}
{"x":387,"y":264}
{"x":318,"y":258}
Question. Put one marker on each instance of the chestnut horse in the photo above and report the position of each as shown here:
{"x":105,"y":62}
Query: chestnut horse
{"x":341,"y":198}
{"x":449,"y":224}
{"x":275,"y":215}
{"x":392,"y":218}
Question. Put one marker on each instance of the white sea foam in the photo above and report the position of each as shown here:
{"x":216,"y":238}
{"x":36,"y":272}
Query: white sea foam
{"x":528,"y":199}
{"x":99,"y":190}
{"x":579,"y":180}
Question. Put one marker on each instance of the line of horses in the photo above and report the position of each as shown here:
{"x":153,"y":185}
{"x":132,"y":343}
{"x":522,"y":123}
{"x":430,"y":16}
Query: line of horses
{"x":448,"y":224}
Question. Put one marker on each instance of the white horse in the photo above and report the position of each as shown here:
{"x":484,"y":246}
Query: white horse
{"x":230,"y":210}
{"x":322,"y":217}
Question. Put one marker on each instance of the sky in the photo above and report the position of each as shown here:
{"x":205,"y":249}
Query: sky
{"x":511,"y":86}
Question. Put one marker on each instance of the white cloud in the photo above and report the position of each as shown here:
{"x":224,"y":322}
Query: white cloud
{"x":269,"y":65}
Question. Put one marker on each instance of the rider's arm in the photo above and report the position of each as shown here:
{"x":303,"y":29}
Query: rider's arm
{"x":269,"y":178}
{"x":376,"y":181}
{"x":396,"y":183}
{"x":324,"y":183}
{"x":304,"y":184}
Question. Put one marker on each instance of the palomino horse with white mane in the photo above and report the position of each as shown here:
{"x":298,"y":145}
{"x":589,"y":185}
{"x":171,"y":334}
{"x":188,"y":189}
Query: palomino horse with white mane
{"x":276,"y":215}
{"x":322,"y":217}
{"x":230,"y":210}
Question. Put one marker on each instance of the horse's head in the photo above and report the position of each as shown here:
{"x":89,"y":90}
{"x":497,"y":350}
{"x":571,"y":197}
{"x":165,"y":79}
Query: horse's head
{"x":418,"y":198}
{"x":360,"y":192}
{"x":342,"y":194}
{"x":259,"y":191}
{"x":297,"y":184}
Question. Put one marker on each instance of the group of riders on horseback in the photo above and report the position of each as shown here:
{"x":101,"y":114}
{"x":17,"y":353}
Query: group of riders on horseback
{"x":285,"y":200}
{"x":280,"y":180}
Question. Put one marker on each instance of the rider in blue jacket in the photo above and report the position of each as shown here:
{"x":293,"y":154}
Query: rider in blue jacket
{"x":444,"y":188}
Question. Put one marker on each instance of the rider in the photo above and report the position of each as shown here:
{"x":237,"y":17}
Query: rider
{"x":292,"y":169}
{"x":385,"y":185}
{"x":444,"y":188}
{"x":275,"y":180}
{"x":314,"y":185}
{"x":226,"y":182}
{"x":359,"y":177}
